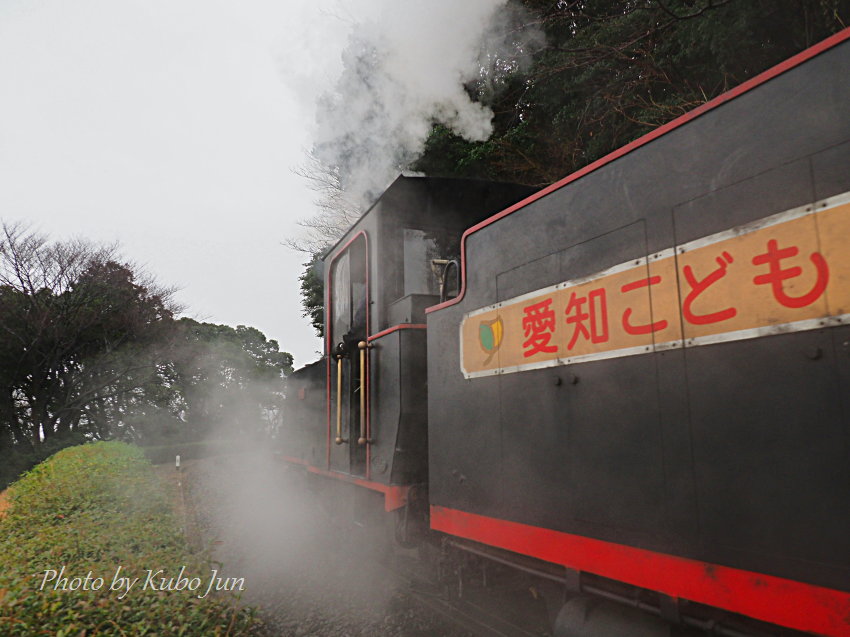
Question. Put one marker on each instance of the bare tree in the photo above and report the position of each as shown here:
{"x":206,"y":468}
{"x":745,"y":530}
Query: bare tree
{"x":336,"y":213}
{"x":75,"y":325}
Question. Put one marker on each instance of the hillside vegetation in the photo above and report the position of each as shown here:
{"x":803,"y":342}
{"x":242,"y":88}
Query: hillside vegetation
{"x":613,"y":70}
{"x":92,"y":509}
{"x":91,"y":349}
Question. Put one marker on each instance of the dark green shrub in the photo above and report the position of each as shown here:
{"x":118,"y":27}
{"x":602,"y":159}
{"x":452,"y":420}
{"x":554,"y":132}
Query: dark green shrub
{"x":93,"y":508}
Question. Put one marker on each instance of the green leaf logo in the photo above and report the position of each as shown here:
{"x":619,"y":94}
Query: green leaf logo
{"x":490,"y":336}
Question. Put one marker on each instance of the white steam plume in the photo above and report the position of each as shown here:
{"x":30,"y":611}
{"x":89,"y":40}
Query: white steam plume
{"x":406,"y":66}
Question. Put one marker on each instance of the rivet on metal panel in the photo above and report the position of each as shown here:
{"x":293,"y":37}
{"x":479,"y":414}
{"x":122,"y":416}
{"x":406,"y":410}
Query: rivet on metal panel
{"x":558,"y":381}
{"x":573,"y":379}
{"x":814,"y":354}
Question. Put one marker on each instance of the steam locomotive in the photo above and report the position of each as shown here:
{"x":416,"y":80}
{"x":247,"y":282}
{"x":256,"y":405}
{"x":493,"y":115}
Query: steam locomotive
{"x":633,"y":385}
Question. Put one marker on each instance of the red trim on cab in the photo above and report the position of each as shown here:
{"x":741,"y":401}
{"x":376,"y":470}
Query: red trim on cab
{"x":329,"y":348}
{"x":772,"y":599}
{"x":295,"y":460}
{"x":396,"y":328}
{"x":395,"y":496}
{"x":750,"y":84}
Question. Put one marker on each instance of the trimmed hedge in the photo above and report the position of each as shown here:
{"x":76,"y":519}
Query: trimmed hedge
{"x":94,"y":508}
{"x":18,"y":459}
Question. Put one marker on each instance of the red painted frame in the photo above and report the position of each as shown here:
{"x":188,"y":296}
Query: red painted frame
{"x":396,"y":328}
{"x":395,"y":496}
{"x":750,"y":84}
{"x":777,"y":600}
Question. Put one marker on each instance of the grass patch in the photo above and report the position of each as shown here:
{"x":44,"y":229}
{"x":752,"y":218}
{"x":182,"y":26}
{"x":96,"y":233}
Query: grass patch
{"x":93,"y":508}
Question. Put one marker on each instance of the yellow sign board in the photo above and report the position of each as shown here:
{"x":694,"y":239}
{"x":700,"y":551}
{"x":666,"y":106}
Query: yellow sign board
{"x":787,"y":272}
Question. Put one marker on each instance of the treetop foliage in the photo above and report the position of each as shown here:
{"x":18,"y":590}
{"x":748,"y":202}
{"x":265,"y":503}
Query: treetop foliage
{"x":313,"y":294}
{"x":612,"y":71}
{"x":90,"y":349}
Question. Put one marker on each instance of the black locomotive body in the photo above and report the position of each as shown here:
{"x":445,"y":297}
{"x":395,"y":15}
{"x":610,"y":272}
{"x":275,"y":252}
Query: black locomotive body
{"x":644,"y":378}
{"x":360,"y":414}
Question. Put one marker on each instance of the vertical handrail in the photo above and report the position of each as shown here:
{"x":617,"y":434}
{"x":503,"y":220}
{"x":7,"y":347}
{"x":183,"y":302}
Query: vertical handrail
{"x":339,"y":440}
{"x":362,"y":346}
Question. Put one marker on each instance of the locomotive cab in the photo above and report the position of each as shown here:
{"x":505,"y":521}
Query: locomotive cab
{"x":360,"y":414}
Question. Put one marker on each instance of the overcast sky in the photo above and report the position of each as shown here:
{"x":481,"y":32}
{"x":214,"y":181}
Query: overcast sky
{"x":172,"y":126}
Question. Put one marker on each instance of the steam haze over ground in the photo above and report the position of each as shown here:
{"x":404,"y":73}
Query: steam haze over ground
{"x":174,"y":127}
{"x":312,"y":573}
{"x":306,"y":563}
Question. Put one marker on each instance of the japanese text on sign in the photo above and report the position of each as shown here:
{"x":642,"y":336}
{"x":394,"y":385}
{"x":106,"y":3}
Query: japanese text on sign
{"x":788,"y":272}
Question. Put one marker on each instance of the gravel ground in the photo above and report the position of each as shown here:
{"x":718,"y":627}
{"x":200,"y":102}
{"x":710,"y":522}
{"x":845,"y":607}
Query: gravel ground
{"x":307,"y":574}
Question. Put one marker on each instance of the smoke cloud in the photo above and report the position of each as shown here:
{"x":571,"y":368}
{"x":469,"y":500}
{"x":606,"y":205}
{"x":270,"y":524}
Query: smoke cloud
{"x":407,"y":65}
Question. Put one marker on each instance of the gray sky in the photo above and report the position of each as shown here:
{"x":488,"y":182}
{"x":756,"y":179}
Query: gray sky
{"x":171,"y":127}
